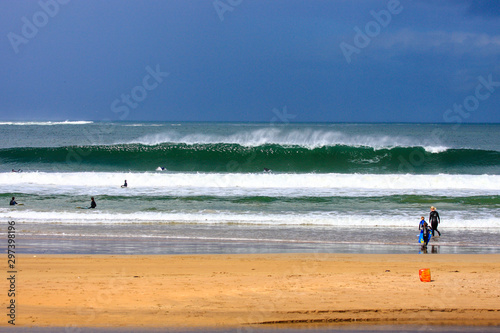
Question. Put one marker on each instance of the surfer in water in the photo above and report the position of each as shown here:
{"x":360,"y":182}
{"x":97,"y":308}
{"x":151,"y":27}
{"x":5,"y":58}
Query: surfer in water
{"x":125,"y":184}
{"x":92,"y":203}
{"x":13,"y":202}
{"x":434,"y":220}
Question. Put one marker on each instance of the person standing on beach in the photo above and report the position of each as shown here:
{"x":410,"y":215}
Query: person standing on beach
{"x":424,"y":230}
{"x":13,"y":202}
{"x":434,"y":220}
{"x":92,"y":203}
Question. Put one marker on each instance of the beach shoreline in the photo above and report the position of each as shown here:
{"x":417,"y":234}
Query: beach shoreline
{"x":245,"y":290}
{"x":214,"y":243}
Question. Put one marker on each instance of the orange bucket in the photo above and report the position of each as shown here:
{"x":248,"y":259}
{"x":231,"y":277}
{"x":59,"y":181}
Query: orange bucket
{"x":425,"y":274}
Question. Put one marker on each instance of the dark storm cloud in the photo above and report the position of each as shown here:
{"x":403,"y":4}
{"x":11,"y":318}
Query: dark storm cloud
{"x":237,"y":60}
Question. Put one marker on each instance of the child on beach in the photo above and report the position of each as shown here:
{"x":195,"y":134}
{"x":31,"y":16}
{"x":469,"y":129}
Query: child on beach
{"x":425,"y":231}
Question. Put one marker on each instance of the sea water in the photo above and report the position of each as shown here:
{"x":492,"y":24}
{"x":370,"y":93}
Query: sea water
{"x":249,"y":187}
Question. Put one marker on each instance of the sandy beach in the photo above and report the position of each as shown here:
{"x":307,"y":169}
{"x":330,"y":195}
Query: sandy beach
{"x":240,"y":290}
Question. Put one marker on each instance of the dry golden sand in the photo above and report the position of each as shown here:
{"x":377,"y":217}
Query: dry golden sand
{"x":236,"y":290}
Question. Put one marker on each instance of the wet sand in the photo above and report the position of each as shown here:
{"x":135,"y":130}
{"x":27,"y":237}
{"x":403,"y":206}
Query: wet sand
{"x":254,"y":289}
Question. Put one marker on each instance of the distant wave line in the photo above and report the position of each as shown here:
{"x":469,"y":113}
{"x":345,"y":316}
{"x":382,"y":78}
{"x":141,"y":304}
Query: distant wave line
{"x":46,"y":123}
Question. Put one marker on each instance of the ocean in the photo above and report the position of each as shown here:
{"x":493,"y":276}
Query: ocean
{"x":249,"y":187}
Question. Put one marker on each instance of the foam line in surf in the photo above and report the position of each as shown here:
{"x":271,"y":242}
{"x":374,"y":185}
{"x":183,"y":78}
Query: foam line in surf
{"x":151,"y":180}
{"x":456,"y":221}
{"x":46,"y":123}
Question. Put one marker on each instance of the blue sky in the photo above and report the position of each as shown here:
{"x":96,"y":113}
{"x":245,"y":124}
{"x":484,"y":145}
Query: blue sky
{"x":250,"y":60}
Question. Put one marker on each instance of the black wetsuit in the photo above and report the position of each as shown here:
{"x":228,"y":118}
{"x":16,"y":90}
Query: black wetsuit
{"x":93,"y":204}
{"x":435,"y":220}
{"x":425,"y":231}
{"x":13,"y":203}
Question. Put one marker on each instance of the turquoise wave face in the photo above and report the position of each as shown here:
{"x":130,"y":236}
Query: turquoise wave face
{"x":230,"y":158}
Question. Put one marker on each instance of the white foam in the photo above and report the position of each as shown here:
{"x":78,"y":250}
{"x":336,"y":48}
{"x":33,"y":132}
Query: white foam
{"x":143,"y":125}
{"x":308,"y":138}
{"x":46,"y":123}
{"x":166,"y":183}
{"x":453,"y":220}
{"x":435,"y":149}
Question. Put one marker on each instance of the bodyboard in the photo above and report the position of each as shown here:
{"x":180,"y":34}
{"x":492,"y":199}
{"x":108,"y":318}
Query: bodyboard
{"x":421,"y":237}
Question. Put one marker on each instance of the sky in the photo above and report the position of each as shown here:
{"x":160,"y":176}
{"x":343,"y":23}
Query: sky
{"x":250,"y":60}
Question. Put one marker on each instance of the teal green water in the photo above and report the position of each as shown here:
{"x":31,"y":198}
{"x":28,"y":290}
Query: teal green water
{"x":226,"y":157}
{"x":327,"y":183}
{"x":221,"y":147}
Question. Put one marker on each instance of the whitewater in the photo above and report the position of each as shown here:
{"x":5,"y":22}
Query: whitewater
{"x":291,"y":187}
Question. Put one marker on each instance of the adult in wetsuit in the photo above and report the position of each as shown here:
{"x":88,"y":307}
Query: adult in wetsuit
{"x":434,"y":220}
{"x":92,"y":203}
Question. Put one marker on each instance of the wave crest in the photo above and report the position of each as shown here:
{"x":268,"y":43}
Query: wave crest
{"x":225,"y":157}
{"x":310,"y":139}
{"x":46,"y":123}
